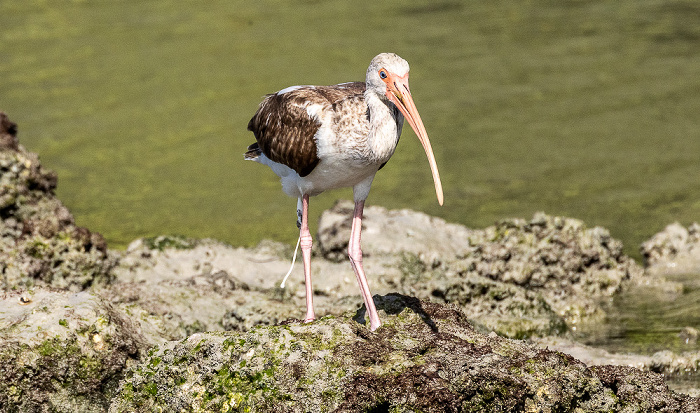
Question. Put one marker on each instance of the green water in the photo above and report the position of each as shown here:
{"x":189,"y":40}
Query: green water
{"x":589,"y":109}
{"x":644,"y":321}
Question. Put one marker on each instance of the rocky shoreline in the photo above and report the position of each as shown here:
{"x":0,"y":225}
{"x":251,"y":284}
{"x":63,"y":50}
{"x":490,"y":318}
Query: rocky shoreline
{"x":474,"y":320}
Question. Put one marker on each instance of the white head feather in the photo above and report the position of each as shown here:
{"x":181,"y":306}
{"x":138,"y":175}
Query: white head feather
{"x":389,"y":61}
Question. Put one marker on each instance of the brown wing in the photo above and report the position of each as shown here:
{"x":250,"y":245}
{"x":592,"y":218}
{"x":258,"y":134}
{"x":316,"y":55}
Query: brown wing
{"x":337,"y":93}
{"x":285,"y":131}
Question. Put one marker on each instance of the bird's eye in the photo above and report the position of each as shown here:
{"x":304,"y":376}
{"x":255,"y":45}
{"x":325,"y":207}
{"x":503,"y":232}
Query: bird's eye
{"x":382,"y":74}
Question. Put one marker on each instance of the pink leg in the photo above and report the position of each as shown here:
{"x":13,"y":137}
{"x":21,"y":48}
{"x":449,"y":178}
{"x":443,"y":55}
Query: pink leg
{"x":306,"y":242}
{"x":355,"y":254}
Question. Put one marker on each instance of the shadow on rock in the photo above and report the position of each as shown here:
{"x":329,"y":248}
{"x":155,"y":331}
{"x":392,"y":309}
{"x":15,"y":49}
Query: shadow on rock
{"x":393,"y":304}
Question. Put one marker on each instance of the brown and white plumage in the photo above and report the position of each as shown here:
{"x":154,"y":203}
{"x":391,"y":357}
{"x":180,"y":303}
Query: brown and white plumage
{"x":317,"y":138}
{"x":286,"y":123}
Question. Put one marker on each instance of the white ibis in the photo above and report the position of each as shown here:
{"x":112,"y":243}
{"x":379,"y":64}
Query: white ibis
{"x":317,"y":138}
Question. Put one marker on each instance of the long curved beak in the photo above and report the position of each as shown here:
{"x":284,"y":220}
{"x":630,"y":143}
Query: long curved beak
{"x":398,"y":92}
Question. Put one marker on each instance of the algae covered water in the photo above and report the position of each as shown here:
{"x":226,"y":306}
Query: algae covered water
{"x":587,"y":109}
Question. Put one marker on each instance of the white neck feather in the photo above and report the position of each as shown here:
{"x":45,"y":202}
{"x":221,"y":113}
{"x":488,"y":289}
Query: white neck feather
{"x":385,"y":124}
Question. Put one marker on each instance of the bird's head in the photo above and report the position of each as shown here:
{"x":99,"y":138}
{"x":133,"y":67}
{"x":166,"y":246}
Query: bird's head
{"x":382,"y":67}
{"x":387,"y":76}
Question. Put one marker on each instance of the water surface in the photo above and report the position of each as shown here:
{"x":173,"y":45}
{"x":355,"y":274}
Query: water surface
{"x":643,"y":320}
{"x":589,"y":109}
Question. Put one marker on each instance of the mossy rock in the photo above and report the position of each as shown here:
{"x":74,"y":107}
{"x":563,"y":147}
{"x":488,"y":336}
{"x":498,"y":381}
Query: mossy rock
{"x":425,"y":357}
{"x":61,"y":352}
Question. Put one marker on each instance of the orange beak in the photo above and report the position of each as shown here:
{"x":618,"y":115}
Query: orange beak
{"x":398,"y":93}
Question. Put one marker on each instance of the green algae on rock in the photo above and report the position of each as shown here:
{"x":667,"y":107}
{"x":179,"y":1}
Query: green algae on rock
{"x":62,"y":351}
{"x":425,"y":357}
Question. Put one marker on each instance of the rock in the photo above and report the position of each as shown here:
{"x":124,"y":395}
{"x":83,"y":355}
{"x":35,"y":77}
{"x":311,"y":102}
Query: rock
{"x":675,"y":250}
{"x":555,"y":270}
{"x":390,"y":232}
{"x":572,"y":267}
{"x":225,"y":337}
{"x":156,"y":280}
{"x":173,"y":258}
{"x":689,"y":335}
{"x":39,"y":241}
{"x":61,"y":351}
{"x":425,"y":357}
{"x":592,"y":356}
{"x":670,"y":364}
{"x":656,"y":397}
{"x":519,"y":278}
{"x":8,"y":133}
{"x":174,"y":287}
{"x":173,"y":310}
{"x":511,"y":311}
{"x":675,"y":365}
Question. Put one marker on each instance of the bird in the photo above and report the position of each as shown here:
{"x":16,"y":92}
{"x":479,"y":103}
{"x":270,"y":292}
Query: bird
{"x":317,"y":138}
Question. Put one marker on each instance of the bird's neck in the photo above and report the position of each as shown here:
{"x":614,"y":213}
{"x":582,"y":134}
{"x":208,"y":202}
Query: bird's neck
{"x":385,"y":124}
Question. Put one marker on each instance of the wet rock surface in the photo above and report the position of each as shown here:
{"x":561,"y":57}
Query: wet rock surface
{"x":198,"y":325}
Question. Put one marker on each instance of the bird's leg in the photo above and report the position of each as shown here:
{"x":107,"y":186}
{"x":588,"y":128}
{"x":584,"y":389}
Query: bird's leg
{"x":355,"y":254}
{"x":306,"y":241}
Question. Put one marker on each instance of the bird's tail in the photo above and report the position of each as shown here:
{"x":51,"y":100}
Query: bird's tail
{"x":253,"y":152}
